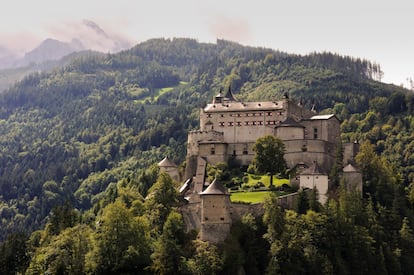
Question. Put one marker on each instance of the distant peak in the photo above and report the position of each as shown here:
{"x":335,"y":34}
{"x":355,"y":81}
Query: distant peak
{"x":92,"y":25}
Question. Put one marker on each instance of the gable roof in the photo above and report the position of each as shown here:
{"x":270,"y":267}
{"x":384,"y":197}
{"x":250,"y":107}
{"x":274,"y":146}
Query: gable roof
{"x":322,"y":117}
{"x":314,"y":169}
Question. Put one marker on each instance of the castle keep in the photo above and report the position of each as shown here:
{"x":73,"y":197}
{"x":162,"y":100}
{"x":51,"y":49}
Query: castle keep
{"x":229,"y":129}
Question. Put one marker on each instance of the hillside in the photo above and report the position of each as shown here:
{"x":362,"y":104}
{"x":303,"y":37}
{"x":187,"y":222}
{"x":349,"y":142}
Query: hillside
{"x":70,"y":135}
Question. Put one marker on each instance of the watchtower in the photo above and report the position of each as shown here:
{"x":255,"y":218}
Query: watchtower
{"x":215,"y":213}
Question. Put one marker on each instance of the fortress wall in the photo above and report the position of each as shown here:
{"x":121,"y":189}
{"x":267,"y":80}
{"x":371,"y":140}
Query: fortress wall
{"x":214,"y":233}
{"x":351,"y":149}
{"x":238,"y":210}
{"x":191,"y":166}
{"x":216,"y":229}
{"x":324,"y":161}
{"x":243,"y":134}
{"x":287,"y":201}
{"x":191,"y":215}
{"x":220,"y":152}
{"x":297,"y":112}
{"x":290,"y":133}
{"x":333,"y":127}
{"x":327,"y":129}
{"x":194,"y":137}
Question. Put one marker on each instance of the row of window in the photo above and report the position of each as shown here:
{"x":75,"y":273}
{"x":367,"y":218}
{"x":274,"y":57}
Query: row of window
{"x":247,"y":114}
{"x":213,"y":151}
{"x":247,"y":123}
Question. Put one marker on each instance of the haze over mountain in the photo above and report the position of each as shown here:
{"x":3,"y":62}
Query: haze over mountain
{"x":76,"y":36}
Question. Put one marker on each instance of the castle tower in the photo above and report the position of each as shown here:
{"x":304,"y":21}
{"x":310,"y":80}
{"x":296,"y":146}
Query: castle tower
{"x":351,"y":149}
{"x":314,"y":177}
{"x":215,"y":213}
{"x":169,"y":167}
{"x":353,"y":178}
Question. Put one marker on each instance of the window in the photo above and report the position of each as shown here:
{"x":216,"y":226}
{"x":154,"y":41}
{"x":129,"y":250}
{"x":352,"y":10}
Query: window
{"x":238,"y":123}
{"x":212,"y":150}
{"x":209,"y":115}
{"x":315,"y":133}
{"x":221,"y":115}
{"x":221,"y":124}
{"x":269,"y":113}
{"x":230,"y":123}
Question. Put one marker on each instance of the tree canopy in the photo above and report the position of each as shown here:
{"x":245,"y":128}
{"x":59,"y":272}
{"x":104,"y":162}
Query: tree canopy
{"x":269,"y":156}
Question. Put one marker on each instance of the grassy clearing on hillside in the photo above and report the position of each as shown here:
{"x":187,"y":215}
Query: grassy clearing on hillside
{"x":158,"y":92}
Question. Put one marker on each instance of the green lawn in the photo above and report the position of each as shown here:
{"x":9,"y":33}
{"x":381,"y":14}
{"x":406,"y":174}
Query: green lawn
{"x":254,"y":196}
{"x":254,"y":179}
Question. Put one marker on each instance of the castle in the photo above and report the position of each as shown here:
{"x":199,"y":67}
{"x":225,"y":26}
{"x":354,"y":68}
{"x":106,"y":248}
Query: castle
{"x":228,"y":131}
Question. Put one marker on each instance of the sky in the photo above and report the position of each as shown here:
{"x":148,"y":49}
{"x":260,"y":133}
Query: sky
{"x":379,"y":31}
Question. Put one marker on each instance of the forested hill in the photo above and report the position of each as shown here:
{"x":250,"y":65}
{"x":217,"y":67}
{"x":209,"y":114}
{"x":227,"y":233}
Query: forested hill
{"x":70,"y":135}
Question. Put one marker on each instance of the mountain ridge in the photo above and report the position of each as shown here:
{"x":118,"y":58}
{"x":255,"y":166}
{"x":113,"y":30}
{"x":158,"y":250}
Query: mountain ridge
{"x":71,"y":133}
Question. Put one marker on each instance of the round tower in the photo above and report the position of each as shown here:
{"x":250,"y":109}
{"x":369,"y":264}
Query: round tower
{"x":353,"y":178}
{"x":215,"y":213}
{"x":169,"y":167}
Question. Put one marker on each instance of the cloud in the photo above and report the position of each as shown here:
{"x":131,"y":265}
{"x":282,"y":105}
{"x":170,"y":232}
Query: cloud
{"x":91,"y":35}
{"x":230,"y":28}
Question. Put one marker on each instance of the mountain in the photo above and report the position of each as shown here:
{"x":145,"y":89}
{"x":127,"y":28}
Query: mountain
{"x":50,"y":49}
{"x":86,"y":36}
{"x":79,"y":147}
{"x":7,"y":57}
{"x":96,"y":38}
{"x":71,"y":133}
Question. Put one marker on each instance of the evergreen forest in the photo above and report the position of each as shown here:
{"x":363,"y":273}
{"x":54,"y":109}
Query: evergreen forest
{"x":81,"y":192}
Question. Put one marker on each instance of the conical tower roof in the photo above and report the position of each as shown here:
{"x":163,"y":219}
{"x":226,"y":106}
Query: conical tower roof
{"x":166,"y":162}
{"x":215,"y":188}
{"x":350,"y":168}
{"x":229,"y":95}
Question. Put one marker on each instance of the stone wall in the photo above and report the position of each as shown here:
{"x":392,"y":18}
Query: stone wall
{"x":191,"y":215}
{"x":192,"y":212}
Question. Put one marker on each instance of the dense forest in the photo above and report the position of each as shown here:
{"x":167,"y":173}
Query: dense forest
{"x":79,"y":147}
